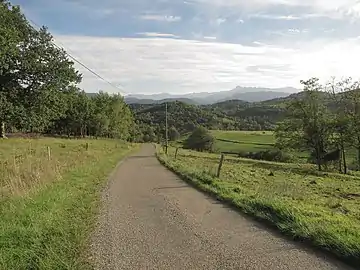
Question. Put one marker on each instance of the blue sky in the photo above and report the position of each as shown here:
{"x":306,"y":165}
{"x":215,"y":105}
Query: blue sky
{"x":153,"y":46}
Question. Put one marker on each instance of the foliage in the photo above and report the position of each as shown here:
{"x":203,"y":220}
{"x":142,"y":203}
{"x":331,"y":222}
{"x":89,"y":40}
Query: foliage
{"x":200,"y":139}
{"x":269,"y":155}
{"x":323,"y":121}
{"x":228,"y":115}
{"x":38,"y":91}
{"x":308,"y":123}
{"x":173,"y":134}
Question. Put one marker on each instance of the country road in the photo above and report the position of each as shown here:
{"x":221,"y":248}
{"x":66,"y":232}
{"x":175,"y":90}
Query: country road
{"x":153,"y":220}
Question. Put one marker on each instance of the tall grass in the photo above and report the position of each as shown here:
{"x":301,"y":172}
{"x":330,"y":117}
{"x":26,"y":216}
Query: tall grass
{"x":49,"y":203}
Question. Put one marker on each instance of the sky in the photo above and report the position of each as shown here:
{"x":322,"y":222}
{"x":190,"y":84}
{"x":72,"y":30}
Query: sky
{"x":184,"y":46}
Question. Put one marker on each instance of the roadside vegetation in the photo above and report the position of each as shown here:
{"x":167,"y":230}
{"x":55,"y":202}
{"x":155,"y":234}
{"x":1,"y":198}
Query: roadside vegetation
{"x":322,"y":208}
{"x":48,"y":205}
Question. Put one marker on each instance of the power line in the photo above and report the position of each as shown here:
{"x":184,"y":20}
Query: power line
{"x":78,"y":61}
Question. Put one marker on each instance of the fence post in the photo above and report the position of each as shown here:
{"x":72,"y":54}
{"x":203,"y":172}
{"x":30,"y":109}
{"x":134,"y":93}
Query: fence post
{"x":220,"y":165}
{"x":49,"y":152}
{"x":176,"y":151}
{"x":87,"y":146}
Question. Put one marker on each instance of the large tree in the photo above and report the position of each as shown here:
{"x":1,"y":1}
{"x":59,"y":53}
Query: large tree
{"x":35,"y":75}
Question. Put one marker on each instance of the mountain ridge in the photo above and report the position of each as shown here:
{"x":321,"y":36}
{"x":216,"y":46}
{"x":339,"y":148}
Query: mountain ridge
{"x":248,"y":94}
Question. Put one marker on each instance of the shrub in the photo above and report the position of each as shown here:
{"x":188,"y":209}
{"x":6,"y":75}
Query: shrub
{"x":200,"y":140}
{"x":268,"y":155}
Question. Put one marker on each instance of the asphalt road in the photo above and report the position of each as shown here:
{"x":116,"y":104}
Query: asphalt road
{"x":153,"y":220}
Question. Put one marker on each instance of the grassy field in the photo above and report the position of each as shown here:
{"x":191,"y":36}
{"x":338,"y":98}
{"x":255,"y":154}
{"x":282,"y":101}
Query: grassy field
{"x":252,"y":141}
{"x":323,"y":209}
{"x":49,"y":201}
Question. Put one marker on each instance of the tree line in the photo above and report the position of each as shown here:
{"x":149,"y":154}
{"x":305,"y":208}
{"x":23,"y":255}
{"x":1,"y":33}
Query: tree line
{"x":324,"y":121}
{"x":39,"y":90}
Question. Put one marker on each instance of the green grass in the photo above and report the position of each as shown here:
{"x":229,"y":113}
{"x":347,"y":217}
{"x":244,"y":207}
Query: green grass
{"x":48,"y":207}
{"x":252,"y":141}
{"x":321,"y":208}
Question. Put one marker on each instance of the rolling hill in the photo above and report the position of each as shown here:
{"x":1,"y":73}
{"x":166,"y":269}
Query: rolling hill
{"x":249,"y":94}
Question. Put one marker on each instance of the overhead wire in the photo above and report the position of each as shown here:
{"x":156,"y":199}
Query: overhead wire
{"x":78,"y":61}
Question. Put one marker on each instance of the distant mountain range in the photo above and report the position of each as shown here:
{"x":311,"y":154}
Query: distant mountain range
{"x":249,"y":94}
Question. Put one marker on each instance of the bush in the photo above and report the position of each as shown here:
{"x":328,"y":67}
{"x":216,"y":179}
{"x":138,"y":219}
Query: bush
{"x":268,"y":155}
{"x":200,"y":140}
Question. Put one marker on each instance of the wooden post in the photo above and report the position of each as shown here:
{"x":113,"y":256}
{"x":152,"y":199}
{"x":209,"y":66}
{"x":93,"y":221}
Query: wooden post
{"x":87,"y":146}
{"x":176,"y":151}
{"x":220,"y":165}
{"x":49,"y":152}
{"x":2,"y":130}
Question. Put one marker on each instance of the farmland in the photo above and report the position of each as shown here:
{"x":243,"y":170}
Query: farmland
{"x":322,"y":208}
{"x":49,"y":196}
{"x":250,"y":140}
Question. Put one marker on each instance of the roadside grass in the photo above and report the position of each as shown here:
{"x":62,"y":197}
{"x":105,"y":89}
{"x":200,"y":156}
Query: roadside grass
{"x":320,"y":208}
{"x":48,"y":206}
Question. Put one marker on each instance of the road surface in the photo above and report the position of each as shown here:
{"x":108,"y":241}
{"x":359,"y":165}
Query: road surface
{"x":153,"y":220}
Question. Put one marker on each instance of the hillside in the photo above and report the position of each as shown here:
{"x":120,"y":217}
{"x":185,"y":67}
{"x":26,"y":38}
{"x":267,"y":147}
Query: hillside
{"x":134,"y":100}
{"x":225,"y":115}
{"x":182,"y":117}
{"x":228,"y":115}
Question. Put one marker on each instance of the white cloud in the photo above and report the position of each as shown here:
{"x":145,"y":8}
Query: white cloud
{"x":165,"y":18}
{"x":155,"y":34}
{"x":220,"y":21}
{"x":209,"y":37}
{"x":286,"y":17}
{"x":153,"y":65}
{"x":331,"y":8}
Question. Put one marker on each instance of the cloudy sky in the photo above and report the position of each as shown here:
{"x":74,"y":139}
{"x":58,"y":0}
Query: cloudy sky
{"x":182,"y":46}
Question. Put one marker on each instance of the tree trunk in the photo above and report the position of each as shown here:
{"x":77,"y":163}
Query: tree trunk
{"x":358,"y":149}
{"x":318,"y":158}
{"x":2,"y":130}
{"x":344,"y":159}
{"x":340,"y":162}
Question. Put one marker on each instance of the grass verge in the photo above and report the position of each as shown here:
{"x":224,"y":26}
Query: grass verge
{"x":48,"y":226}
{"x":322,"y":210}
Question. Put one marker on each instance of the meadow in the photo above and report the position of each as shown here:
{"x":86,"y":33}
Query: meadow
{"x":321,"y":208}
{"x":255,"y":141}
{"x":251,"y":141}
{"x":49,"y":195}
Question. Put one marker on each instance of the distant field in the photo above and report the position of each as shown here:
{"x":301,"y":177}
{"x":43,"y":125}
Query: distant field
{"x":48,"y":199}
{"x":252,"y":141}
{"x":321,"y":208}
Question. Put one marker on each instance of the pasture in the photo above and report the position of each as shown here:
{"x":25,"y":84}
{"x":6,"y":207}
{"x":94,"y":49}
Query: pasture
{"x":49,"y":191}
{"x":251,"y":141}
{"x":322,"y":208}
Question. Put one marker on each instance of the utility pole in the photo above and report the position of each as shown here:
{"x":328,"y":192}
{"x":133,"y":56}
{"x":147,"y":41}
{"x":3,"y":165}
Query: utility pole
{"x":166,"y":129}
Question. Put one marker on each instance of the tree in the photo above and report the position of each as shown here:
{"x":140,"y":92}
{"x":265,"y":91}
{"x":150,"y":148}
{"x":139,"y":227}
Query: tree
{"x":200,"y":139}
{"x":35,"y":74}
{"x":173,"y":134}
{"x":307,"y":123}
{"x":352,"y":110}
{"x":340,"y":118}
